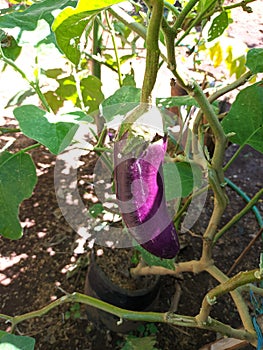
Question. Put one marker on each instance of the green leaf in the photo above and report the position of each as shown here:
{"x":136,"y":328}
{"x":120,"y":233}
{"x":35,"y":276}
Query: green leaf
{"x":255,"y":60}
{"x":91,"y":92}
{"x":54,"y":132}
{"x":16,"y":342}
{"x":121,"y":102}
{"x":9,"y":46}
{"x":96,"y":210}
{"x":2,"y":333}
{"x":27,"y":20}
{"x":153,"y":260}
{"x":90,"y":88}
{"x":169,"y":102}
{"x":180,"y":179}
{"x":245,"y":118}
{"x":136,"y":343}
{"x":70,"y":24}
{"x":218,"y":26}
{"x":18,"y":98}
{"x":17,"y":181}
{"x":53,"y":73}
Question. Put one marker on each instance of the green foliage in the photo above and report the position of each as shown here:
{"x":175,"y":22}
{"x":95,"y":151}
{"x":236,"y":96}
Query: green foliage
{"x":135,"y":343}
{"x":255,"y":60}
{"x":71,"y":22}
{"x":219,"y":24}
{"x":180,"y":179}
{"x":17,"y":181}
{"x":147,"y":329}
{"x":169,"y":102}
{"x":96,"y":210}
{"x":153,"y":260}
{"x":73,"y":312}
{"x":90,"y":94}
{"x":245,"y":118}
{"x":54,"y":132}
{"x":121,"y":102}
{"x":27,"y":19}
{"x":9,"y":46}
{"x":15,"y":342}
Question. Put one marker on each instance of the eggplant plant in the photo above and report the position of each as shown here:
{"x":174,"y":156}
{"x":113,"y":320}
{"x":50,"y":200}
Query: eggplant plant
{"x":143,"y":179}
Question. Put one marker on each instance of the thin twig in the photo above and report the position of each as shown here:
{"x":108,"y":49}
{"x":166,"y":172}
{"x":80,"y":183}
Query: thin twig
{"x":244,"y":252}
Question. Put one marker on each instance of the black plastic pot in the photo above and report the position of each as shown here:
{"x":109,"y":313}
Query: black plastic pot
{"x":98,"y":285}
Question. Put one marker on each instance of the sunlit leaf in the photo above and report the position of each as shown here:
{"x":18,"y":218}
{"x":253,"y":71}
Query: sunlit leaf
{"x":54,"y":132}
{"x":27,"y":20}
{"x":218,"y":26}
{"x":17,"y":181}
{"x":71,"y":22}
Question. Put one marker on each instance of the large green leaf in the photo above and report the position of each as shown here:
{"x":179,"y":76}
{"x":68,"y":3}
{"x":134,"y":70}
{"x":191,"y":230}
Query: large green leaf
{"x":121,"y":102}
{"x":245,"y":118}
{"x":55,"y":132}
{"x":27,"y":20}
{"x":17,"y":181}
{"x":255,"y":60}
{"x":71,"y":22}
{"x":180,"y":179}
{"x":16,"y":342}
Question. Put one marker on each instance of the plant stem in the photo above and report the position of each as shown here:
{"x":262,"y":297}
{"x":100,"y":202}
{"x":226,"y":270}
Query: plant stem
{"x":8,"y":130}
{"x":128,"y":20}
{"x":243,"y":3}
{"x":193,"y":266}
{"x":35,"y":145}
{"x":240,"y":149}
{"x":136,"y":27}
{"x":169,"y":35}
{"x":237,"y":261}
{"x":112,"y":33}
{"x":241,"y":305}
{"x":198,"y":18}
{"x":229,"y":285}
{"x":172,"y":8}
{"x":188,"y":201}
{"x":238,"y":216}
{"x":169,"y":317}
{"x":33,"y":84}
{"x":187,"y":9}
{"x":215,"y":171}
{"x":240,"y":81}
{"x":96,"y":48}
{"x":152,"y":50}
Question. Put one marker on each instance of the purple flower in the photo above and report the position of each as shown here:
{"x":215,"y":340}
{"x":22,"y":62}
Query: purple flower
{"x":140,"y":192}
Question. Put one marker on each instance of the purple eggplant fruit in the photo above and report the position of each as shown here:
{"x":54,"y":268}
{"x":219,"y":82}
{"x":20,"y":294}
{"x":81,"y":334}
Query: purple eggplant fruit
{"x":140,"y":193}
